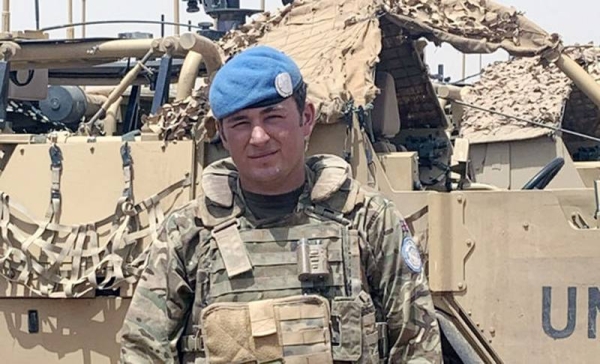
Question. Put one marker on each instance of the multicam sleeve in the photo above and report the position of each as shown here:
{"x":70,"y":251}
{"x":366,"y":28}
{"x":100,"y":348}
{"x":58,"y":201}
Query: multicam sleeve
{"x":156,"y":315}
{"x":400,"y":289}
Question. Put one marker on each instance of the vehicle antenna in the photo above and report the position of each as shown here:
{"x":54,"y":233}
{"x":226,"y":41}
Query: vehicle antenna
{"x":37,"y":14}
{"x":83,"y":17}
{"x":132,"y":21}
{"x":537,"y":123}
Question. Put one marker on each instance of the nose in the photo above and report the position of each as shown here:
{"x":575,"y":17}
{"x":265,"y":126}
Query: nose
{"x":259,"y":136}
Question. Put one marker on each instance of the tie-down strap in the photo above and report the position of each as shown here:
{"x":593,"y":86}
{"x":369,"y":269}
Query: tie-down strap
{"x":57,"y":260}
{"x":56,"y":158}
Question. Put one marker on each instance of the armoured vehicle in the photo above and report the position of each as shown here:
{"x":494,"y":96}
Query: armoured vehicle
{"x":97,"y":147}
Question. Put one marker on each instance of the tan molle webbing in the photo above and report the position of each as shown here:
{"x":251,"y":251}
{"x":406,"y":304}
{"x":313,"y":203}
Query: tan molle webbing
{"x":275,"y":259}
{"x":318,"y":358}
{"x":261,"y":284}
{"x":300,"y":312}
{"x":306,"y":337}
{"x":275,"y":330}
{"x":273,"y":254}
{"x":232,"y":249}
{"x":62,"y":261}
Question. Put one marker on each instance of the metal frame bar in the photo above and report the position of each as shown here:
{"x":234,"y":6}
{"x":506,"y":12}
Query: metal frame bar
{"x":162,"y":82}
{"x":130,"y":122}
{"x":4,"y":82}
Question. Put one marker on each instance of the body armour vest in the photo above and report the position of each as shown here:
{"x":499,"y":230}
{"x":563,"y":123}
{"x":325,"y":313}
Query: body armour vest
{"x":285,"y":291}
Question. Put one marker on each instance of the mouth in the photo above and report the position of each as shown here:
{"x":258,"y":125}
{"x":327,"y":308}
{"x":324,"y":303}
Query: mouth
{"x":262,"y":155}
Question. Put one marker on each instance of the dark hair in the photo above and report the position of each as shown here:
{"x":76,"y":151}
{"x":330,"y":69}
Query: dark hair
{"x":299,"y":96}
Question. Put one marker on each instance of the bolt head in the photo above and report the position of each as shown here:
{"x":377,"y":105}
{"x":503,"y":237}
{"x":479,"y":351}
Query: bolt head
{"x":54,"y":103}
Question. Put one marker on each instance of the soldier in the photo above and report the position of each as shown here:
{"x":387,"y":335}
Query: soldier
{"x":281,"y":258}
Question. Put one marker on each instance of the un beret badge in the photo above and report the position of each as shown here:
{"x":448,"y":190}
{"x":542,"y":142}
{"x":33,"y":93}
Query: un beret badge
{"x":411,"y":255}
{"x":283,"y":84}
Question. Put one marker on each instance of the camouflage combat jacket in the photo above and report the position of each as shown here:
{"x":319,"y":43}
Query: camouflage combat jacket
{"x":214,"y":253}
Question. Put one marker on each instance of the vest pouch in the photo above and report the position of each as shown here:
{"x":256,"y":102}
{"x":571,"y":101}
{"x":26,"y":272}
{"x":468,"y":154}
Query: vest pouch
{"x":372,"y":332}
{"x":346,"y":312}
{"x":293,"y":330}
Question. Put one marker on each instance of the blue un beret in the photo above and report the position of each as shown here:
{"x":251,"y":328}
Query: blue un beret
{"x":257,"y":77}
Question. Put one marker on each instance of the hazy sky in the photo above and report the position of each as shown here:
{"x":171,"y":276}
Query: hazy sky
{"x":575,"y":20}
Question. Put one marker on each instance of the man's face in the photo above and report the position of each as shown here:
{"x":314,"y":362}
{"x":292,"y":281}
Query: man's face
{"x":267,"y":145}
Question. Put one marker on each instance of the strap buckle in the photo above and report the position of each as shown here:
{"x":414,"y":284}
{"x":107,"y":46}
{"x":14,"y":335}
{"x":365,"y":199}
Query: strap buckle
{"x":55,"y":156}
{"x":126,"y":155}
{"x":192,"y":343}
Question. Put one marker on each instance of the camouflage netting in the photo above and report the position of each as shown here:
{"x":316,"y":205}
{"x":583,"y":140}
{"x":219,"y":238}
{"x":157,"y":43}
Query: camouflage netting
{"x":523,"y":87}
{"x":337,"y":43}
{"x":179,"y":120}
{"x":581,"y":114}
{"x":472,"y":26}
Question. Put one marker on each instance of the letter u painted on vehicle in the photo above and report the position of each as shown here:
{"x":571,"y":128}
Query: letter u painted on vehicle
{"x":593,"y":308}
{"x":571,"y":313}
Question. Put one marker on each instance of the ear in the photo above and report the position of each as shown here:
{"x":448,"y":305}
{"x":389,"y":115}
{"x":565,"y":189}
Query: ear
{"x":222,"y":134}
{"x":308,"y":119}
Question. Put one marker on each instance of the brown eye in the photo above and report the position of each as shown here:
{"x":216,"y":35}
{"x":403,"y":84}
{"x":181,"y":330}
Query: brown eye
{"x":274,"y":117}
{"x":238,"y":124}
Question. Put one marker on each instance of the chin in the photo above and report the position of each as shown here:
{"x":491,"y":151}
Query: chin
{"x":265,"y":174}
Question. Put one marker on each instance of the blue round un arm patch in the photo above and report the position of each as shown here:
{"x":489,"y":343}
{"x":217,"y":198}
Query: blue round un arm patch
{"x":410,"y":255}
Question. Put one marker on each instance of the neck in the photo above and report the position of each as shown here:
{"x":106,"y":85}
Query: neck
{"x":280,"y":186}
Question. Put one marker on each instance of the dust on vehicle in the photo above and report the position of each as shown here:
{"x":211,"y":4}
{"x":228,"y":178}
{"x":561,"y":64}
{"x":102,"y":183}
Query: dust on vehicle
{"x":104,"y":137}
